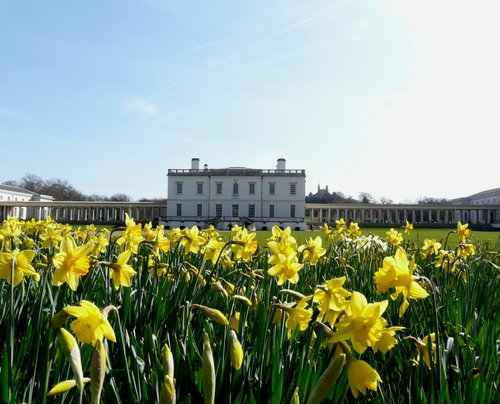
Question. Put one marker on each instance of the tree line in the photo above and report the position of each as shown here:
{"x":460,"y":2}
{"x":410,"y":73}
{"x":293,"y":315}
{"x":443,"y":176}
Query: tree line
{"x":62,"y":190}
{"x":364,"y":197}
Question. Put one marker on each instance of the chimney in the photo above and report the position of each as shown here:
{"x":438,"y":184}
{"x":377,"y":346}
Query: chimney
{"x":281,"y":166}
{"x":195,"y":164}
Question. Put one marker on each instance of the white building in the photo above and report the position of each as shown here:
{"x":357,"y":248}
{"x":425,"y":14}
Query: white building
{"x":489,"y":197}
{"x":258,"y":198}
{"x":10,"y":193}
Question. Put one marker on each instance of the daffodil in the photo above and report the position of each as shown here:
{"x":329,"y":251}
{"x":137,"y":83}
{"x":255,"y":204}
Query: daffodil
{"x":362,"y":323}
{"x":131,"y":237}
{"x":386,"y":339}
{"x":397,"y":272}
{"x":10,"y":232}
{"x":161,"y":242}
{"x":425,"y":348}
{"x":244,"y":245}
{"x":20,"y":262}
{"x":191,"y":240}
{"x":462,"y":232}
{"x":331,"y":299}
{"x":353,"y":231}
{"x":285,"y":268}
{"x":299,"y":315}
{"x":408,"y":227}
{"x":394,"y":237}
{"x":312,"y":251}
{"x":51,"y":237}
{"x":71,"y":262}
{"x":465,"y":249}
{"x":361,"y":376}
{"x":90,"y":324}
{"x":430,"y":247}
{"x":213,"y":250}
{"x":120,"y":271}
{"x":327,"y":232}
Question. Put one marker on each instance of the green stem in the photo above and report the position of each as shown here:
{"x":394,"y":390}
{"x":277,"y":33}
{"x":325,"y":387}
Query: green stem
{"x":11,"y":331}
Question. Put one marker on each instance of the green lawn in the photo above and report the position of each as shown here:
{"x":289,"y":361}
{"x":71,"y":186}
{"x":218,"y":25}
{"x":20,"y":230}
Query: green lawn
{"x":417,"y":235}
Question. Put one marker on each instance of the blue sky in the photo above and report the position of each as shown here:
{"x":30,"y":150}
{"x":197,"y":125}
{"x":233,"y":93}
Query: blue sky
{"x":392,"y":97}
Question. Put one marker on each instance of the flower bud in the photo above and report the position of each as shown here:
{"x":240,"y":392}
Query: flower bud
{"x":208,"y":371}
{"x":327,"y":380}
{"x":72,"y":352}
{"x":97,"y":371}
{"x":213,"y":314}
{"x":167,"y":392}
{"x":236,"y":351}
{"x":167,"y":360}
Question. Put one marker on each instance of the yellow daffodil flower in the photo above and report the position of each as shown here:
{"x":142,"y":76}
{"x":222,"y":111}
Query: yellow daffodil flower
{"x":20,"y":261}
{"x":90,"y":324}
{"x":408,"y":227}
{"x":120,"y":271}
{"x":331,"y":299}
{"x":285,"y":267}
{"x":430,"y":247}
{"x":394,"y":237}
{"x":462,"y":231}
{"x":131,"y":237}
{"x":244,"y":246}
{"x":397,"y":272}
{"x":362,"y":323}
{"x":71,"y":262}
{"x":191,"y":240}
{"x":361,"y":376}
{"x":312,"y":251}
{"x":465,"y":250}
{"x":213,"y":250}
{"x":299,"y":315}
{"x":353,"y":231}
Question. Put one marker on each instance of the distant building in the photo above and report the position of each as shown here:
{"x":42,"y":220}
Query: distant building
{"x":489,"y":197}
{"x":256,"y":198}
{"x":9,"y":193}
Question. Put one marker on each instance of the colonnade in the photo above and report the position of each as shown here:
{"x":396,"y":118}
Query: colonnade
{"x":114,"y":212}
{"x":83,"y":212}
{"x":399,"y":214}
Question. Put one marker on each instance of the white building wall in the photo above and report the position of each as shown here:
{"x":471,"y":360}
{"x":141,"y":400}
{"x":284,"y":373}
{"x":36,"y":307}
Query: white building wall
{"x":261,"y":199}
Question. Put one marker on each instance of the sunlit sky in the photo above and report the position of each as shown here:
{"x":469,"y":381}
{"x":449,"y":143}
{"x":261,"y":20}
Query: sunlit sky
{"x":396,"y":98}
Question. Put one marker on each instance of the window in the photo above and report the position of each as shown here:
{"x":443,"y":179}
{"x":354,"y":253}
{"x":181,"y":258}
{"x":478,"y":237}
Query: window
{"x":218,"y":186}
{"x":251,"y":188}
{"x":272,"y":188}
{"x":235,"y":211}
{"x":199,"y":187}
{"x":271,"y":210}
{"x":179,"y":209}
{"x":293,"y":188}
{"x":179,"y":187}
{"x":251,"y":210}
{"x":292,"y":210}
{"x":218,"y":210}
{"x":235,"y":188}
{"x":199,"y":209}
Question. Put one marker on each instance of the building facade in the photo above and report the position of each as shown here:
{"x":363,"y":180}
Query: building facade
{"x":256,"y":198}
{"x":489,"y":197}
{"x":10,"y":193}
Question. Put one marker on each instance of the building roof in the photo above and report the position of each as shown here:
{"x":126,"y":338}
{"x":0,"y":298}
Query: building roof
{"x":34,"y":195}
{"x":485,"y":193}
{"x":12,"y":188}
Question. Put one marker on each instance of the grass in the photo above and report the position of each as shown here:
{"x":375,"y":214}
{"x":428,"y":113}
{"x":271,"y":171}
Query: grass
{"x":417,"y":235}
